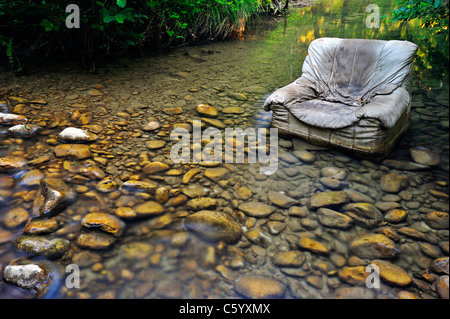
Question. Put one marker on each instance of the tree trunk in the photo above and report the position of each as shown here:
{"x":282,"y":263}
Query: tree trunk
{"x":286,"y":5}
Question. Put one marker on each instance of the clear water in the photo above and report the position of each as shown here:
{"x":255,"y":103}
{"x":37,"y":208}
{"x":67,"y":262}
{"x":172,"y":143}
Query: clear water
{"x":177,"y":263}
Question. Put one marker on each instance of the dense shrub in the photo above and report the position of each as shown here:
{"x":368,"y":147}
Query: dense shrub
{"x":433,"y":14}
{"x":112,"y":26}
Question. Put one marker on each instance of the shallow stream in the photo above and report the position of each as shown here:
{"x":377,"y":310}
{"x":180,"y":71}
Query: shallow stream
{"x":152,"y":253}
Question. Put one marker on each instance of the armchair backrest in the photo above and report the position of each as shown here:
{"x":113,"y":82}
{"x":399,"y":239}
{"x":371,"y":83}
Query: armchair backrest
{"x":357,"y":67}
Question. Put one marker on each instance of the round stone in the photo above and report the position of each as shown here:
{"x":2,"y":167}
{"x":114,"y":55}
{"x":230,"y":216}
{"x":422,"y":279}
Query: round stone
{"x":442,"y":287}
{"x":355,"y":276}
{"x":217,"y":173}
{"x":256,"y":209}
{"x":206,"y":110}
{"x":333,"y":172}
{"x":95,"y":240}
{"x":137,"y":250}
{"x":78,"y":151}
{"x":437,"y":220}
{"x":313,"y":245}
{"x":424,"y":155}
{"x":148,"y":187}
{"x":291,"y":258}
{"x":259,"y":287}
{"x":393,"y":183}
{"x":374,"y":246}
{"x":328,"y":199}
{"x":155,"y":167}
{"x":152,"y":125}
{"x":126,"y":212}
{"x":214,"y":226}
{"x":40,"y":245}
{"x":333,"y":219}
{"x":392,"y":274}
{"x":149,"y":208}
{"x":11,"y":163}
{"x":363,"y":214}
{"x":156,"y":144}
{"x":201,"y":203}
{"x":304,"y":156}
{"x":281,"y":200}
{"x":74,"y":135}
{"x":238,"y":96}
{"x":104,"y":222}
{"x":41,"y":226}
{"x":233,"y":110}
{"x":107,"y":185}
{"x":395,"y":216}
{"x":15,"y":217}
{"x":440,"y":265}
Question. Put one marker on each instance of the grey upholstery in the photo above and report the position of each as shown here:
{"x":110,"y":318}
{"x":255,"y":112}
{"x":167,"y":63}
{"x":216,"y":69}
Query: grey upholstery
{"x":349,"y":87}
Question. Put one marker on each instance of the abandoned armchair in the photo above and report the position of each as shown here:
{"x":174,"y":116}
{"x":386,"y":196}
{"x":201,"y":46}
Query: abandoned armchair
{"x":352,"y":94}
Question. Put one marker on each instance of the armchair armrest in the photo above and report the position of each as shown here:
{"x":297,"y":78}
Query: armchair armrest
{"x":386,"y":107}
{"x":298,"y":91}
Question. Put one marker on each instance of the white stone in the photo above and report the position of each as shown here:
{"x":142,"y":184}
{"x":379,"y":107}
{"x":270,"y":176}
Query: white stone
{"x":24,"y":276}
{"x":76,"y":134}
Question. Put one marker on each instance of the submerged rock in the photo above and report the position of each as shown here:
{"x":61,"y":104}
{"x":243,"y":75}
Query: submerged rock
{"x":291,"y":258}
{"x":155,"y":167}
{"x":152,"y":125}
{"x":214,"y":226}
{"x":95,"y":240}
{"x":148,"y":187}
{"x":403,"y":165}
{"x":216,"y":174}
{"x":393,"y":183}
{"x":333,"y":219}
{"x":73,"y":150}
{"x":11,"y":163}
{"x":156,"y":144}
{"x":374,"y":246}
{"x":328,"y":199}
{"x":233,"y":110}
{"x":281,"y":200}
{"x":256,"y":209}
{"x":442,"y":287}
{"x":107,"y":185}
{"x":364,"y":214}
{"x":40,"y":226}
{"x":206,"y":110}
{"x":355,"y":276}
{"x":425,"y":156}
{"x":259,"y":287}
{"x":52,"y":248}
{"x":56,"y":196}
{"x":15,"y":217}
{"x":149,"y":209}
{"x":313,"y":245}
{"x":437,"y":220}
{"x":104,"y":222}
{"x":392,"y":274}
{"x":201,"y":203}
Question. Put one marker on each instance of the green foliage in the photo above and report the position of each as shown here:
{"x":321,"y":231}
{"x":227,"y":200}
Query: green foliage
{"x":433,"y":14}
{"x":116,"y":25}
